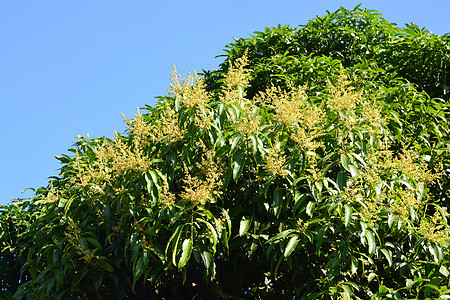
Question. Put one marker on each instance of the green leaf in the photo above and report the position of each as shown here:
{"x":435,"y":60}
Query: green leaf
{"x":244,"y":225}
{"x":405,"y":182}
{"x":235,"y":143}
{"x":291,"y":246}
{"x":345,"y":161}
{"x":354,"y":265}
{"x":138,"y":269}
{"x":388,"y":256}
{"x":155,"y":178}
{"x":68,"y":204}
{"x":348,"y":290}
{"x":277,"y":200}
{"x":213,"y":236}
{"x":310,"y":208}
{"x":173,"y":241}
{"x":382,"y":289}
{"x":254,"y":144}
{"x":409,"y":284}
{"x":237,"y":166}
{"x":444,"y":271}
{"x":348,"y":214}
{"x":371,"y":276}
{"x":353,"y":170}
{"x":241,"y":91}
{"x":223,"y":237}
{"x":186,"y":253}
{"x":391,"y":219}
{"x":360,"y":159}
{"x":275,"y":272}
{"x":436,"y":251}
{"x":298,"y":201}
{"x":94,"y":242}
{"x":371,"y":242}
{"x":149,"y":181}
{"x":341,"y":180}
{"x":281,"y":235}
{"x":208,"y":262}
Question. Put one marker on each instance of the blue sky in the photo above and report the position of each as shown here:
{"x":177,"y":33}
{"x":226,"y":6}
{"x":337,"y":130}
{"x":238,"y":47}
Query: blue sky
{"x":71,"y":67}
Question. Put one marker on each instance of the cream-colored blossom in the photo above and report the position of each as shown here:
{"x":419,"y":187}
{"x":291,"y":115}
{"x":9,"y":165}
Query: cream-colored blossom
{"x":121,"y":158}
{"x":343,"y":95}
{"x":409,"y":162}
{"x":308,"y":140}
{"x":74,"y":235}
{"x":304,"y":120}
{"x":404,"y":201}
{"x":235,"y":82}
{"x":190,"y":91}
{"x":275,"y":162}
{"x":199,"y":190}
{"x":237,"y":74}
{"x":166,"y":198}
{"x":373,"y":120}
{"x":434,"y":228}
{"x":166,"y":128}
{"x":248,"y":124}
{"x":139,"y":129}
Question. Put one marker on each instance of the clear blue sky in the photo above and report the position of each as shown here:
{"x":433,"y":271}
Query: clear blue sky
{"x":71,"y":67}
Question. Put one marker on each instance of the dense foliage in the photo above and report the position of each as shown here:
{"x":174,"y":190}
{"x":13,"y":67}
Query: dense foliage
{"x":312,"y":165}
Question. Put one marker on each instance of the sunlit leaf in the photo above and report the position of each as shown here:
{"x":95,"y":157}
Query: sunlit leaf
{"x":348,"y":214}
{"x":244,"y":225}
{"x":371,"y":241}
{"x":186,"y":253}
{"x":388,"y":256}
{"x":291,"y":246}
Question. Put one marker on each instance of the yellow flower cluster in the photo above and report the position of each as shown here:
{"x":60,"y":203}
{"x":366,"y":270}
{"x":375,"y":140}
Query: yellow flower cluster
{"x":166,"y":198}
{"x":315,"y":174}
{"x":249,"y":121}
{"x":139,"y":129}
{"x":400,"y":200}
{"x":343,"y":96}
{"x":302,"y":225}
{"x":165,"y":128}
{"x":221,"y":222}
{"x":53,"y":195}
{"x":434,"y":229}
{"x":275,"y":161}
{"x":408,"y":162}
{"x":74,"y":235}
{"x":112,"y":159}
{"x":121,"y":157}
{"x":189,"y":91}
{"x":307,"y":139}
{"x":403,"y":201}
{"x":236,"y":81}
{"x":89,"y":174}
{"x":199,"y":191}
{"x":304,"y":120}
{"x":373,"y":120}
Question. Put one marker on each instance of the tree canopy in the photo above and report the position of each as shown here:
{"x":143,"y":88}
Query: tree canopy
{"x":313,"y":164}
